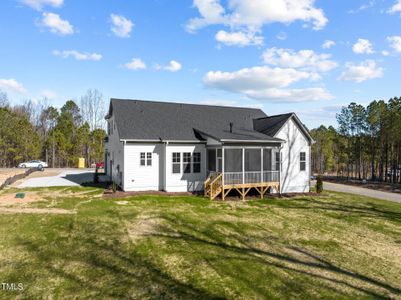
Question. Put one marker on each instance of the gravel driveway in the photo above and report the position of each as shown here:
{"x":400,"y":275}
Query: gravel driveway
{"x":361,"y":191}
{"x":72,"y":177}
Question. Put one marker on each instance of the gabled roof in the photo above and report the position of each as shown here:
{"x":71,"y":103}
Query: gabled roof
{"x":272,"y":125}
{"x":150,"y":120}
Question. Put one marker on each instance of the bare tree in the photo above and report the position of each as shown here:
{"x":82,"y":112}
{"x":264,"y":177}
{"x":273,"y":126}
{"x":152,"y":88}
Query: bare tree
{"x":92,"y":109}
{"x":4,"y":100}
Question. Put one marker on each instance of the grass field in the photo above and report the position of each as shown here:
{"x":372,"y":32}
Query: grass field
{"x":72,"y":243}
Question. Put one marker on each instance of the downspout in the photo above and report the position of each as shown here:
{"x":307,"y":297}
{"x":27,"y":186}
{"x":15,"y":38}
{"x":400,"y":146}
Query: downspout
{"x":164,"y":177}
{"x":281,"y":167}
{"x":310,"y":165}
{"x":123,"y":165}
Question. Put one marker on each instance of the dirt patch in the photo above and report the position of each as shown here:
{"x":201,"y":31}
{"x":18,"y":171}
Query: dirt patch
{"x":38,"y":174}
{"x":17,"y":210}
{"x":143,"y":226}
{"x":8,"y":176}
{"x":122,"y":202}
{"x":10,"y":200}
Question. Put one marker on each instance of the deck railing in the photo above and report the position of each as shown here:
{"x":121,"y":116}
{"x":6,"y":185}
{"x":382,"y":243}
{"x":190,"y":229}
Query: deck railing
{"x":251,"y":177}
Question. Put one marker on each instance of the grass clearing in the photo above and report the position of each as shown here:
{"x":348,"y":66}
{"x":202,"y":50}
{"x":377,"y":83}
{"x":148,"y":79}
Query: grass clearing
{"x":330,"y":246}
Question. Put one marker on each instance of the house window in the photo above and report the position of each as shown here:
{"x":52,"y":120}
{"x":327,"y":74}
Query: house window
{"x":187,"y":162}
{"x":211,"y":160}
{"x":277,"y":161}
{"x":176,"y":162}
{"x":302,"y":161}
{"x":146,"y":159}
{"x":149,"y":158}
{"x":196,"y":161}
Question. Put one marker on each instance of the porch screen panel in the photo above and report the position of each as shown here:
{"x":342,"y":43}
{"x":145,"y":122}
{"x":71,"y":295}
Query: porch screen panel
{"x":211,"y":160}
{"x":267,"y":159}
{"x":232,"y":160}
{"x":252,"y":160}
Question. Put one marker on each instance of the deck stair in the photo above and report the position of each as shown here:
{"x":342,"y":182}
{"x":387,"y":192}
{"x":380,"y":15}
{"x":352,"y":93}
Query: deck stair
{"x":213,"y":185}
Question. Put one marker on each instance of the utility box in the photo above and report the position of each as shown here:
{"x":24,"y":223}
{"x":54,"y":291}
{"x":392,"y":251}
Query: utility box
{"x":81,"y":163}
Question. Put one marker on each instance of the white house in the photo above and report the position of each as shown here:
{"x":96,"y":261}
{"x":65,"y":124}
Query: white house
{"x":178,"y":147}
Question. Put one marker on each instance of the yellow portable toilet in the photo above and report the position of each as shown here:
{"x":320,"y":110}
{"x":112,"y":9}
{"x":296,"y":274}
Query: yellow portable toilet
{"x":81,"y":163}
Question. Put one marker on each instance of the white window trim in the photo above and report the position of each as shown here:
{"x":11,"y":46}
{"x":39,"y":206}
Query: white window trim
{"x":145,"y":159}
{"x":176,"y":163}
{"x":302,"y":161}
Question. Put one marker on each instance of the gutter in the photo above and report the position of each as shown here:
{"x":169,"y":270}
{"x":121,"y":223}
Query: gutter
{"x":253,"y":141}
{"x":161,"y":141}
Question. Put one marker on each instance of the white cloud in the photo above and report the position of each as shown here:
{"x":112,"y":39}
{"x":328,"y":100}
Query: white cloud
{"x":256,"y":13}
{"x":173,"y":66}
{"x":307,"y":59}
{"x":266,"y":83}
{"x":385,"y":53}
{"x":39,"y":4}
{"x":56,"y":25}
{"x":363,"y":7}
{"x":122,"y":26}
{"x":12,"y":85}
{"x":395,"y":43}
{"x":231,"y":103}
{"x":238,"y":38}
{"x":254,"y":78}
{"x":363,"y":46}
{"x":49,"y":94}
{"x":135,"y":64}
{"x":362,"y":72}
{"x":291,"y":95}
{"x":78,"y":55}
{"x":396,"y":8}
{"x":328,"y":44}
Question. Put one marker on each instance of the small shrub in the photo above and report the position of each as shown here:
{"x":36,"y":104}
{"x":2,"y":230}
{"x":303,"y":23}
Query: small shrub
{"x":114,"y":187}
{"x":319,"y":184}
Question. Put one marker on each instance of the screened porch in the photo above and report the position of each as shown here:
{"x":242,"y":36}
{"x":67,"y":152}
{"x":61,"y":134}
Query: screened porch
{"x":245,"y":165}
{"x":242,"y":169}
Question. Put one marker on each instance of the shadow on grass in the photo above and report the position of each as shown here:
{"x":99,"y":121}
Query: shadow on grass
{"x":98,"y":265}
{"x":106,"y":269}
{"x":368,"y":210}
{"x":302,"y":261}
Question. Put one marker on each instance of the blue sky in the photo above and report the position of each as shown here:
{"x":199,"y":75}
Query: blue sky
{"x":306,"y":56}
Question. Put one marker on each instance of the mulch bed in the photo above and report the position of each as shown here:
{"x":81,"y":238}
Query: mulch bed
{"x":108,"y":193}
{"x":119,"y":194}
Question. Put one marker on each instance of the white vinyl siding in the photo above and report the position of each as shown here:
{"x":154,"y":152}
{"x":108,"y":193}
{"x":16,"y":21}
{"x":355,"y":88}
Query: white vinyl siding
{"x":139,"y":177}
{"x":293,"y":180}
{"x":182,"y":182}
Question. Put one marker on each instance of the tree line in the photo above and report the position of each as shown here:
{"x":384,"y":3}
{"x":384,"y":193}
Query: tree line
{"x":38,"y":130}
{"x":366,"y":144}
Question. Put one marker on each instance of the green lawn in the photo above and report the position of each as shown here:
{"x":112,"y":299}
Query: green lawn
{"x":155,"y":247}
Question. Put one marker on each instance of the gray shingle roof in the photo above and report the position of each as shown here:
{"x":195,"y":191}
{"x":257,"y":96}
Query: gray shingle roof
{"x":150,"y":120}
{"x":271,"y":125}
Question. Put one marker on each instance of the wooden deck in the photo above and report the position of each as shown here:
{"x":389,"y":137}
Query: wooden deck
{"x":213,"y":187}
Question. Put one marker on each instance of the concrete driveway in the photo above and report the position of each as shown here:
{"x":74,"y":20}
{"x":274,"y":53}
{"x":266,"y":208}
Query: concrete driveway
{"x":343,"y":188}
{"x":60,"y":177}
